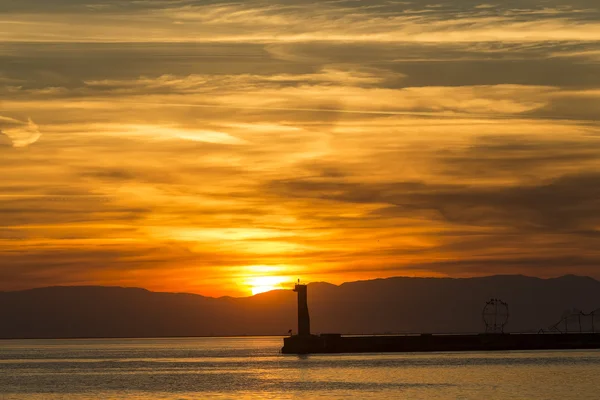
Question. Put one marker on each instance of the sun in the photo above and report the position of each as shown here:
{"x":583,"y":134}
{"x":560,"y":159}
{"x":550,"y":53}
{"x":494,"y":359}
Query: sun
{"x":262,"y":284}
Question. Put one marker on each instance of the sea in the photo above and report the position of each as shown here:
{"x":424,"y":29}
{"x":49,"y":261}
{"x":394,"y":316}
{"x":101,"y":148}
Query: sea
{"x":254,"y":368}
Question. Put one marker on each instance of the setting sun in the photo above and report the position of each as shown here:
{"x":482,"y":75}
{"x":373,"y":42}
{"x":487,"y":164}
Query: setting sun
{"x":265,"y":284}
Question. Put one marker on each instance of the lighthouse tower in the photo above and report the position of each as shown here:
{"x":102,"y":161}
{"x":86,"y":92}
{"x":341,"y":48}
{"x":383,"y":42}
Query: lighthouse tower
{"x":303,"y":317}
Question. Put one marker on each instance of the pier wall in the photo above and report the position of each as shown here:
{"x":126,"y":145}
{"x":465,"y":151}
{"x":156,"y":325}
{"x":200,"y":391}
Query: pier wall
{"x":427,"y":343}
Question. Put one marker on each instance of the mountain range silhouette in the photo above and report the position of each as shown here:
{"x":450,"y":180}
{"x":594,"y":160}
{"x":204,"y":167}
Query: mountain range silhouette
{"x":393,"y":305}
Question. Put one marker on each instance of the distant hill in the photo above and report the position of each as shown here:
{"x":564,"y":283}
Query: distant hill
{"x":376,"y":306}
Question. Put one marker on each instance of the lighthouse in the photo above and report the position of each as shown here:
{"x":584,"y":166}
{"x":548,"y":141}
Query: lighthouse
{"x":303,"y":317}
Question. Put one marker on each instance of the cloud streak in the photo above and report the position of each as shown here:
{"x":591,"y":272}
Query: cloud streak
{"x":19,"y":133}
{"x":257,"y":22}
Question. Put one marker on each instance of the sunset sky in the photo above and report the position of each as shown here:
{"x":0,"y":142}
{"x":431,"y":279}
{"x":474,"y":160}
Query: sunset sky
{"x":223,"y":148}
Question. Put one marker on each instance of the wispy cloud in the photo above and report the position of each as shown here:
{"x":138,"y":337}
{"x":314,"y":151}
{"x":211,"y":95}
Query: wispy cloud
{"x":19,"y":133}
{"x":273,"y":23}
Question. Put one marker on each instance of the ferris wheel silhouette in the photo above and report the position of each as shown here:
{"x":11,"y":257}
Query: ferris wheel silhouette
{"x":495,"y":316}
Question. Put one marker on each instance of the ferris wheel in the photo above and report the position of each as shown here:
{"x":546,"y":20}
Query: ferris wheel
{"x":495,"y":316}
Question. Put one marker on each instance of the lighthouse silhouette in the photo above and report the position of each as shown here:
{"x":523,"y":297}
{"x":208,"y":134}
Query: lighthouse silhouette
{"x":303,"y":317}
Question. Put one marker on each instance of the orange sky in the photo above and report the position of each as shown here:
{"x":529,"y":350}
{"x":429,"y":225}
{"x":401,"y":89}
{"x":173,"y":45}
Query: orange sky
{"x":229,"y":148}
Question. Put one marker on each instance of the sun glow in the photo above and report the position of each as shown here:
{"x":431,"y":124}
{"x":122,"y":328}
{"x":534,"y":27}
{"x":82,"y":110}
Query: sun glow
{"x":265,"y":284}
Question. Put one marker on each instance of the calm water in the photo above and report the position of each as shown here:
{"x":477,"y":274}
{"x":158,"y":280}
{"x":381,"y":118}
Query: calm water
{"x":252,"y":368}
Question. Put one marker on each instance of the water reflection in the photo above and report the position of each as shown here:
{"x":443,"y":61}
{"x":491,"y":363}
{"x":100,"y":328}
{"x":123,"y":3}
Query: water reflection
{"x":219,"y":368}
